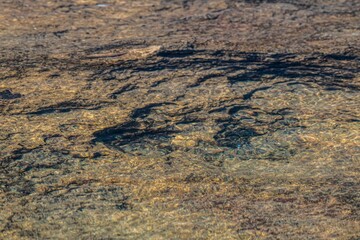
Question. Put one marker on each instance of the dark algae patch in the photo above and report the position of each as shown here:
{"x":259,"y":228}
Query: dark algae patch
{"x":179,"y":119}
{"x":7,"y":94}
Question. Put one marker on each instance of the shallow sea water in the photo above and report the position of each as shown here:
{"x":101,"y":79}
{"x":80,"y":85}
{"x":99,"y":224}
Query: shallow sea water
{"x":136,"y":132}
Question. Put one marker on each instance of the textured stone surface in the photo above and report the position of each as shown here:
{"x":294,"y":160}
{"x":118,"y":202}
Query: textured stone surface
{"x":180,"y":119}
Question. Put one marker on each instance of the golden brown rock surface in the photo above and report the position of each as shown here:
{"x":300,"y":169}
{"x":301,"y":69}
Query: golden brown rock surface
{"x":192,"y":119}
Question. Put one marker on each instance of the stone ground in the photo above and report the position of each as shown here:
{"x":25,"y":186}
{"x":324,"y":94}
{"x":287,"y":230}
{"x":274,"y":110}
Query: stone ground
{"x":192,"y":119}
